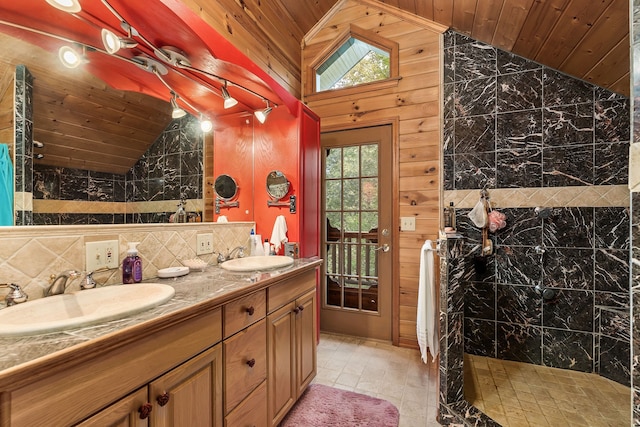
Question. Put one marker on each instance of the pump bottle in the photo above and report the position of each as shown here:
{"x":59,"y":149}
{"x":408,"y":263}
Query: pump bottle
{"x":132,"y":265}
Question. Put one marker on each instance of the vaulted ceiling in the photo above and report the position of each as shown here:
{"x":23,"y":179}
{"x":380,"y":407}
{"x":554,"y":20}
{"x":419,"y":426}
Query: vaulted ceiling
{"x":588,"y":39}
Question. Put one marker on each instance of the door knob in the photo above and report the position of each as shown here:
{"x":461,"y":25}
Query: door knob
{"x":383,"y":248}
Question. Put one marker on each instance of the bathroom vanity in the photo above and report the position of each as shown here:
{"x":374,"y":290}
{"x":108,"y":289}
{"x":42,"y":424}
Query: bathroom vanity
{"x":228,"y":349}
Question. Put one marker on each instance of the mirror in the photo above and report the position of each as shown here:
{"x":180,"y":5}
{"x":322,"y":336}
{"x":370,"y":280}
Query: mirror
{"x":225,"y":187}
{"x":277,"y":185}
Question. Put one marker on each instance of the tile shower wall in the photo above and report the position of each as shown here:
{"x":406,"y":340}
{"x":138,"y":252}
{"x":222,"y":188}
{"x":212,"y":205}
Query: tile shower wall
{"x":513,"y":123}
{"x":23,"y":147}
{"x":171,"y":169}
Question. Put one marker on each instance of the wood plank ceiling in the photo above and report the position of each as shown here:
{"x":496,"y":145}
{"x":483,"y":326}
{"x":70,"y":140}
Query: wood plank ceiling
{"x":588,"y":39}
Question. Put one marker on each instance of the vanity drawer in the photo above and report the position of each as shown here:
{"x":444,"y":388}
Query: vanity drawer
{"x":252,"y":411}
{"x":290,"y":289}
{"x":245,"y":363}
{"x":243,"y":312}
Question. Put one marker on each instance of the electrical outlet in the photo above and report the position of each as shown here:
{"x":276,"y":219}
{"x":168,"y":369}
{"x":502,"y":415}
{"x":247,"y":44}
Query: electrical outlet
{"x":407,"y":223}
{"x":204,"y":244}
{"x":101,"y":254}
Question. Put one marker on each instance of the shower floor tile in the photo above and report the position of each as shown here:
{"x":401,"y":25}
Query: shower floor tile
{"x":518,"y":394}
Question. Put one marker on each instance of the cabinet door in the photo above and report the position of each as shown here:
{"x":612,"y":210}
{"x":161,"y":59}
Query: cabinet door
{"x":123,"y":413}
{"x":282,"y":354}
{"x":305,"y":340}
{"x":252,"y":411}
{"x":191,"y":394}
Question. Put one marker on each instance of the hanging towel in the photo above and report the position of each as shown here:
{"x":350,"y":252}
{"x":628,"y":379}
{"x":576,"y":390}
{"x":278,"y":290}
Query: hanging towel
{"x":6,"y":186}
{"x":427,"y":321}
{"x":279,"y":233}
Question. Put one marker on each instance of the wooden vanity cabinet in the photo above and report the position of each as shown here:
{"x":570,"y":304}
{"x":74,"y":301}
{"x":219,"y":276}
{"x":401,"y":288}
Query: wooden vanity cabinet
{"x":189,"y":395}
{"x":291,"y":339}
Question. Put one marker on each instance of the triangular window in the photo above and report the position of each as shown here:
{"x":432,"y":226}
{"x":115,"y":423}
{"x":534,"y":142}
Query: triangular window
{"x":355,"y":62}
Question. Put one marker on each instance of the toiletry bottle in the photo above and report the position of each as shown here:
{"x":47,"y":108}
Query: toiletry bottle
{"x":127,"y":265}
{"x":137,"y":262}
{"x":267,"y":247}
{"x":180,"y":215}
{"x":256,"y":244}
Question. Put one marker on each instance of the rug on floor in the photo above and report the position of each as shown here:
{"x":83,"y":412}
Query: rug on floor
{"x":322,"y":406}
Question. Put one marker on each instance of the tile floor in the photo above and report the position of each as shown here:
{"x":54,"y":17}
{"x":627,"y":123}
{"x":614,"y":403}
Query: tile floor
{"x":381,"y":370}
{"x":520,"y":394}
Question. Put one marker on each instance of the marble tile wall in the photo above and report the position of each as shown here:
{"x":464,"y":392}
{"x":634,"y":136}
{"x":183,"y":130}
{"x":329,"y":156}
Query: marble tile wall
{"x":512,"y":125}
{"x":169,"y":171}
{"x":23,"y":145}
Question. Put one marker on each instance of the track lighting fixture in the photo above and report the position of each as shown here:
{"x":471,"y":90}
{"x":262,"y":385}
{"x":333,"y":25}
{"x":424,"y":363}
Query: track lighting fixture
{"x":113,"y":43}
{"x":71,"y":6}
{"x":176,"y":112}
{"x":38,"y":156}
{"x":261,"y":115}
{"x":205,"y":124}
{"x":38,"y":144}
{"x":229,"y":101}
{"x":70,"y":57}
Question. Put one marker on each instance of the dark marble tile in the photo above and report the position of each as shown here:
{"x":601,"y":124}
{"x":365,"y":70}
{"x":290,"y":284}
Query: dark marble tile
{"x":171,"y":142}
{"x":74,"y":187}
{"x":448,"y":173}
{"x":568,"y":166}
{"x":570,"y":310}
{"x":519,"y":343}
{"x":518,"y":266}
{"x":480,"y":300}
{"x":479,"y":337}
{"x":155,"y":190}
{"x":518,"y":304}
{"x":171,"y":187}
{"x":524,"y":228}
{"x":119,"y":190}
{"x":448,"y":105}
{"x":614,"y":323}
{"x":568,"y":268}
{"x":478,"y":268}
{"x":620,"y":300}
{"x":475,"y":97}
{"x":46,"y":219}
{"x":612,"y":120}
{"x":569,"y":227}
{"x":612,"y":227}
{"x":100,"y":190}
{"x":611,"y":270}
{"x":190,"y":186}
{"x":191,"y":163}
{"x":519,"y":130}
{"x":475,"y":134}
{"x":46,"y":184}
{"x":611,"y":164}
{"x":100,"y":219}
{"x":155,"y":167}
{"x":510,"y":63}
{"x":519,"y":91}
{"x":455,"y":343}
{"x":449,"y":65}
{"x":475,"y":170}
{"x":568,"y":125}
{"x":561,"y":89}
{"x":73,"y":219}
{"x":519,"y":169}
{"x":615,"y":356}
{"x":464,"y":226}
{"x":568,"y":350}
{"x":474,"y":60}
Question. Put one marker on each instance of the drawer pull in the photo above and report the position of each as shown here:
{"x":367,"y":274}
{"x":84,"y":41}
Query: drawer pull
{"x":301,"y":307}
{"x":250,"y":310}
{"x":251,"y":363}
{"x":296,"y":310}
{"x":145,"y":410}
{"x":163,"y":399}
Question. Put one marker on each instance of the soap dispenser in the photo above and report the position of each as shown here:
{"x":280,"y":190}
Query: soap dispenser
{"x":132,"y":265}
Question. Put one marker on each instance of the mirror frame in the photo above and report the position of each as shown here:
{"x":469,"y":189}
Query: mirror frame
{"x":218,"y":183}
{"x":271,"y":191}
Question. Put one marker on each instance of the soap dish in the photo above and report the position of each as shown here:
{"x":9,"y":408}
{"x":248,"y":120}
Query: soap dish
{"x":195,"y":264}
{"x":165,"y":273}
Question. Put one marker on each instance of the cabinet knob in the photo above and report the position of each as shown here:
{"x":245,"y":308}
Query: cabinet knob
{"x":301,"y":307}
{"x":145,"y":410}
{"x":296,"y":310}
{"x":250,"y":310}
{"x":163,"y":399}
{"x":251,"y":363}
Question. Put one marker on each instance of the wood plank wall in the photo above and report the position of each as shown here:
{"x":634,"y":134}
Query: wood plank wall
{"x":415,"y":105}
{"x":7,"y":76}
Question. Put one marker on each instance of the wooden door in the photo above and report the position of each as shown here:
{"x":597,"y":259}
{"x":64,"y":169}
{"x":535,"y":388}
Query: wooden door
{"x":357,"y":230}
{"x":123,"y":413}
{"x":194,"y":392}
{"x":282,"y":354}
{"x":305,"y":340}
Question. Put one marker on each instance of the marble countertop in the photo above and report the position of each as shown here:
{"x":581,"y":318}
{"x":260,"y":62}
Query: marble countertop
{"x":211,"y":286}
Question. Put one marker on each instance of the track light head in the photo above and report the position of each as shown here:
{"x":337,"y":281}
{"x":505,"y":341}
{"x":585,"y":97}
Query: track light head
{"x":176,"y":112}
{"x":112,"y":43}
{"x":229,"y":101}
{"x":205,"y":124}
{"x":261,"y":115}
{"x":71,"y":6}
{"x":70,"y":58}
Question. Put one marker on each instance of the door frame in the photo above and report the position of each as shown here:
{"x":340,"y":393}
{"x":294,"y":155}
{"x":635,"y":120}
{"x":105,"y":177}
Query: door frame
{"x":395,"y":212}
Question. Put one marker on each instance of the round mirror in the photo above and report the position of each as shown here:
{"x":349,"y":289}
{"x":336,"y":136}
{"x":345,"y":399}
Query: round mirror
{"x":277,"y":185}
{"x":225,"y":187}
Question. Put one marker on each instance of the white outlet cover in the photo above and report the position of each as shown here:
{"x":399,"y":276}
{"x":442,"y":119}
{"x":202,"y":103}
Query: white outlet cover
{"x":204,"y":244}
{"x":407,"y":223}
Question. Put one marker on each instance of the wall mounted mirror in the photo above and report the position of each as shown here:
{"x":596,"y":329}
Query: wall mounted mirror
{"x":225,"y":187}
{"x":277,"y":185}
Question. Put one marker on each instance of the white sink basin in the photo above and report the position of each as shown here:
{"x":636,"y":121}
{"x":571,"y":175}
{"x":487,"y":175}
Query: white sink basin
{"x":81,"y":308}
{"x":253,"y":263}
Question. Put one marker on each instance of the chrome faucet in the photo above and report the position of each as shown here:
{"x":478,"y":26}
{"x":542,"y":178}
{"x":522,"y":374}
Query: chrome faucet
{"x":15,"y":296}
{"x":59,"y":282}
{"x":238,"y":250}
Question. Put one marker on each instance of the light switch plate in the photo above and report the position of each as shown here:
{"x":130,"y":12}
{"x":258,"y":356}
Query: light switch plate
{"x":204,"y":244}
{"x":407,"y":223}
{"x":101,"y":254}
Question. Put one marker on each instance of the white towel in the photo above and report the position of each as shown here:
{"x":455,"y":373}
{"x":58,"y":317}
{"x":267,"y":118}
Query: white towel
{"x":222,"y":218}
{"x":428,"y":319}
{"x":279,"y":233}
